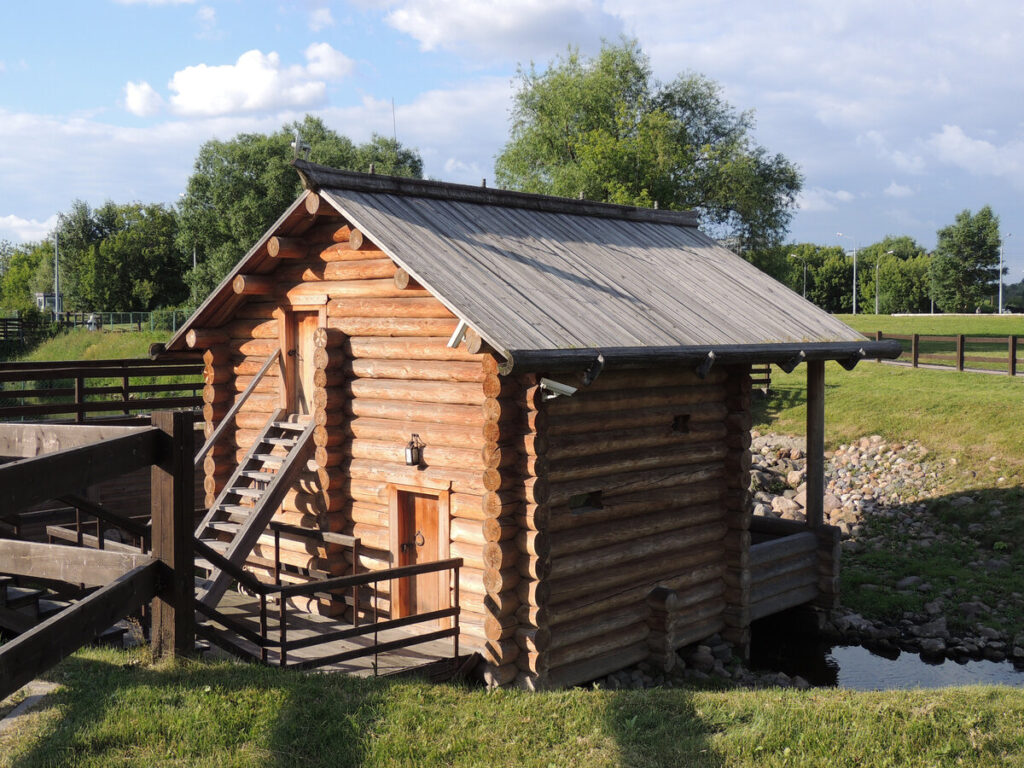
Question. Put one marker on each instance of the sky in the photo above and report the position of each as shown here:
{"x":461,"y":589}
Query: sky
{"x":900,"y":114}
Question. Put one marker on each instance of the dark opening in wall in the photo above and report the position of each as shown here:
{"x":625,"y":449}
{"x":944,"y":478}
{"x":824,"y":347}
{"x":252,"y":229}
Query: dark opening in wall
{"x":681,"y":423}
{"x":584,"y":502}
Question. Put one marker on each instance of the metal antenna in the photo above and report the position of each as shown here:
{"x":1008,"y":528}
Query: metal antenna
{"x":300,"y":147}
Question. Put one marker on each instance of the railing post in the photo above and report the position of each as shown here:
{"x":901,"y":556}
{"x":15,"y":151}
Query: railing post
{"x":1011,"y":345}
{"x":960,"y":351}
{"x":125,"y":393}
{"x":283,"y":629}
{"x":915,"y":348}
{"x":79,"y":399}
{"x":878,"y":337}
{"x":815,"y":443}
{"x":173,"y":501}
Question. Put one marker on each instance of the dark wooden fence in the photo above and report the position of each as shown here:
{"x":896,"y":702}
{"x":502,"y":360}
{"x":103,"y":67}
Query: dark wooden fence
{"x":125,"y":581}
{"x":960,"y":352}
{"x":82,"y":389}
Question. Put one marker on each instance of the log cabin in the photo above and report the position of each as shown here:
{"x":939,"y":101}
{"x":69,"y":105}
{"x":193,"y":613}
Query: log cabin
{"x":556,"y":391}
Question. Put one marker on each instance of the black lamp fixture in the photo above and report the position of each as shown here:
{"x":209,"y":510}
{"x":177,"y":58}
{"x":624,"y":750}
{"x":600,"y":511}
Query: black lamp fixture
{"x":414,"y":451}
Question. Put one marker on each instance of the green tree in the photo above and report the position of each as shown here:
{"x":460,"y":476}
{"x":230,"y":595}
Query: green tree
{"x":895,"y":259}
{"x":239,"y":187}
{"x":830,"y":283}
{"x":605,"y":129}
{"x":965,"y":265}
{"x":22,"y":264}
{"x":120,"y":257}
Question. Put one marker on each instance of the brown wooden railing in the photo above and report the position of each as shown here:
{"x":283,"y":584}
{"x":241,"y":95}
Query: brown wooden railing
{"x":63,"y":389}
{"x":270,"y":638}
{"x":959,"y":352}
{"x":761,"y":377}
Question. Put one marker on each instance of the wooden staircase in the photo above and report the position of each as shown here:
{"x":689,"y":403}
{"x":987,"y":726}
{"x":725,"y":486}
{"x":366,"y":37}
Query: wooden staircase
{"x":23,"y":607}
{"x":244,"y":508}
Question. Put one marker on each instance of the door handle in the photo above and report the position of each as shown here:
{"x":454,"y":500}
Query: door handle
{"x":420,"y":541}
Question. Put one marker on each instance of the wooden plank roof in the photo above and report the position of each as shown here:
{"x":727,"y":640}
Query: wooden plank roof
{"x":537,"y":273}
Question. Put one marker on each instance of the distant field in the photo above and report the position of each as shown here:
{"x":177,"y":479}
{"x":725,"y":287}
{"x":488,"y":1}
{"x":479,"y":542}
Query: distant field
{"x":938,"y":325}
{"x":96,"y":345}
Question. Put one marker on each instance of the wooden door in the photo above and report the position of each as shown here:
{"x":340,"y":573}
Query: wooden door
{"x":305,"y":324}
{"x":419,"y":542}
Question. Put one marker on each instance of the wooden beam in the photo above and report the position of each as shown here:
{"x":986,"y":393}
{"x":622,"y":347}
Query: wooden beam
{"x":29,"y":481}
{"x":253,"y":285}
{"x":173,"y":494}
{"x":815,"y":442}
{"x":204,"y":338}
{"x":29,"y":440}
{"x":287,"y":247}
{"x":73,"y":565}
{"x":32,"y":653}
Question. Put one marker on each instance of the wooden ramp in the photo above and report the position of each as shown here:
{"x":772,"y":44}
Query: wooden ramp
{"x":436,"y":658}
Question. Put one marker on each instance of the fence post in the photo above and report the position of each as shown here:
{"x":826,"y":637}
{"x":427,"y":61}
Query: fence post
{"x":173,"y":513}
{"x":960,"y":351}
{"x":79,"y":399}
{"x":878,"y":337}
{"x":915,"y":348}
{"x":1011,"y":345}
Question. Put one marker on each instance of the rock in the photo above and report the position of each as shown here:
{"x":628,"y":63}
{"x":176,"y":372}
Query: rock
{"x":832,"y":503}
{"x":961,"y":501}
{"x":907,"y":582}
{"x":782,"y":505}
{"x":989,"y":633}
{"x":795,"y":476}
{"x":934,"y":629}
{"x":933,"y":646}
{"x":701,"y":659}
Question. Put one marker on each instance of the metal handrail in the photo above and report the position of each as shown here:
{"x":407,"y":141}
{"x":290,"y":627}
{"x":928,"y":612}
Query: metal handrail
{"x":230,"y":415}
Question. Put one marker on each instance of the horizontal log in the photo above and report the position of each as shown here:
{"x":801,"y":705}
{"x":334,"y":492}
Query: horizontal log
{"x":456,"y":415}
{"x":424,"y":370}
{"x":471,"y":554}
{"x":623,"y":532}
{"x":654,"y":568}
{"x":454,"y":393}
{"x":570,"y":470}
{"x":405,"y":348}
{"x":342,"y":252}
{"x":562,"y":447}
{"x":692,"y":572}
{"x":253,"y":285}
{"x":404,"y":280}
{"x":783,"y":548}
{"x":437,"y":435}
{"x":495,"y":677}
{"x":459,"y":481}
{"x":498,"y":555}
{"x":389,"y":308}
{"x":469,"y":507}
{"x":625,"y":507}
{"x":629,"y":400}
{"x":636,"y":482}
{"x":499,"y":528}
{"x":329,"y":231}
{"x":346,"y":289}
{"x":253,"y":347}
{"x":287,"y":248}
{"x":469,"y":531}
{"x":531,"y":592}
{"x":383,"y":326}
{"x":569,"y":423}
{"x":500,"y":652}
{"x":496,"y":582}
{"x":594,"y":629}
{"x":597,"y":666}
{"x":204,"y":338}
{"x":433,"y":455}
{"x":652,"y":378}
{"x":255,"y":308}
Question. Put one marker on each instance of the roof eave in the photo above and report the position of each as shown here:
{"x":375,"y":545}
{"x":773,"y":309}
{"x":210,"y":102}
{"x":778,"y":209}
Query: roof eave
{"x":786,"y":355}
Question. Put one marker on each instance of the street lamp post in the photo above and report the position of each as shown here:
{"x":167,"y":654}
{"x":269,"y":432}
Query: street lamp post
{"x":1008,"y":235}
{"x":849,"y":237}
{"x":887,"y":253}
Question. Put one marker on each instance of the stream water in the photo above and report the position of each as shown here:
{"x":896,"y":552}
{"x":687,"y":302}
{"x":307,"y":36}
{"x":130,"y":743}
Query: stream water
{"x":796,"y":652}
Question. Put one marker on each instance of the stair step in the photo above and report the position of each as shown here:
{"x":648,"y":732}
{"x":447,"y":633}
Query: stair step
{"x":290,"y":425}
{"x":224,"y":526}
{"x":288,"y":442}
{"x":19,"y":596}
{"x":250,"y":493}
{"x":269,"y":459}
{"x":255,"y":474}
{"x":203,"y":564}
{"x":233,"y":510}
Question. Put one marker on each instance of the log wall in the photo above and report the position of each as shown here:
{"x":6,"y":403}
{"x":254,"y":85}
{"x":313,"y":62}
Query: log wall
{"x":630,"y":496}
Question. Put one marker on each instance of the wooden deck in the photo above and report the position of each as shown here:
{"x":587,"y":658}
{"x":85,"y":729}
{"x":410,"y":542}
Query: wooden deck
{"x":435,"y":657}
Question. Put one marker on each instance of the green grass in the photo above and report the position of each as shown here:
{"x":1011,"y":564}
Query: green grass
{"x":115,"y":709}
{"x":968,"y":422}
{"x":82,"y":344}
{"x":937,"y":325}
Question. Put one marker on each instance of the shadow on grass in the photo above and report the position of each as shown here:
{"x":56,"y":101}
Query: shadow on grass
{"x":661,"y":727}
{"x":199,"y":714}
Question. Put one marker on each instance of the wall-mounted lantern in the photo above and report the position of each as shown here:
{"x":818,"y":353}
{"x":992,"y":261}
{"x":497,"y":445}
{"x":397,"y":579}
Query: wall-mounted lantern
{"x":414,"y":451}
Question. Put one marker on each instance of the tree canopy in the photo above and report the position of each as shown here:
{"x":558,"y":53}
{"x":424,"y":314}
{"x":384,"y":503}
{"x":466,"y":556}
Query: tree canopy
{"x":603,"y":128}
{"x":239,"y":187}
{"x":965,"y":264}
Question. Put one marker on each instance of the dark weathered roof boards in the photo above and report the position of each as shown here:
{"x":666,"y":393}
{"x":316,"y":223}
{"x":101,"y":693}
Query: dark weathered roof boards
{"x":542,"y":275}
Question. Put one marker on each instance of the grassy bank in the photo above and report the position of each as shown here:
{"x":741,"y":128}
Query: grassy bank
{"x":82,"y":344}
{"x":938,"y":325}
{"x":117,"y":710}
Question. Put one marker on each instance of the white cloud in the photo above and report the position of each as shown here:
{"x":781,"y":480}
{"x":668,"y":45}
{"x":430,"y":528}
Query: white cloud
{"x":979,"y":157}
{"x":141,"y":99}
{"x":521,"y":29}
{"x":320,"y":18}
{"x":257,"y":82}
{"x":817,"y":199}
{"x":907,"y":161}
{"x":897,"y":190}
{"x":326,"y":62}
{"x":206,"y":17}
{"x":25,"y":230}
